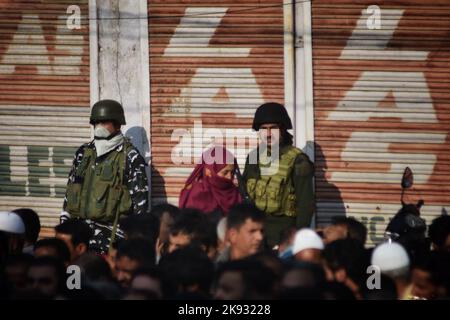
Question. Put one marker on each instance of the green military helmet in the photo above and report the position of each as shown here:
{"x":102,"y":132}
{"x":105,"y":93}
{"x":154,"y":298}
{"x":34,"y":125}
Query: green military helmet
{"x":271,"y":112}
{"x":107,"y":110}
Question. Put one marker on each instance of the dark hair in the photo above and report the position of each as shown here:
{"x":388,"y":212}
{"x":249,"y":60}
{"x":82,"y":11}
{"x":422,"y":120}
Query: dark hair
{"x":161,"y":208}
{"x":437,"y":264}
{"x":188,"y":222}
{"x":312,"y":271}
{"x":197,"y":225}
{"x":142,"y":250}
{"x":350,"y":255}
{"x":156,"y":273}
{"x":259,"y":281}
{"x":79,"y":231}
{"x":287,"y":138}
{"x":287,"y":233}
{"x":187,"y":267}
{"x":439,"y":230}
{"x":32,"y":223}
{"x":239,"y":214}
{"x":141,"y":226}
{"x":270,"y":260}
{"x":57,"y":265}
{"x":19,"y":259}
{"x":62,"y":252}
{"x":355,"y":229}
{"x":94,"y":267}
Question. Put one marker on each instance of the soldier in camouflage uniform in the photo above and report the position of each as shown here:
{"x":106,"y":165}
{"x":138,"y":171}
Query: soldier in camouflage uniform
{"x":286,"y":196}
{"x":107,"y":179}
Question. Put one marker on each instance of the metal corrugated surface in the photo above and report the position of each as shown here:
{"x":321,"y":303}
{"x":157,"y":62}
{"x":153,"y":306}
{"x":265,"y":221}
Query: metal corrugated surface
{"x":382,"y":102}
{"x":212,"y":63}
{"x":44,"y":102}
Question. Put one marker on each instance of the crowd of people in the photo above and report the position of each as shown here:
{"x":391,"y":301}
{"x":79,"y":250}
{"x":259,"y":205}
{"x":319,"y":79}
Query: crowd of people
{"x":232,"y":236}
{"x":172,"y":253}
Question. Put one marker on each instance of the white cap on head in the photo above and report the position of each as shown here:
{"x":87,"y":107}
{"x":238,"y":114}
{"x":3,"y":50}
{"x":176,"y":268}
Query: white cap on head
{"x":222,"y":229}
{"x":306,"y":239}
{"x":390,"y":257}
{"x":11,"y":222}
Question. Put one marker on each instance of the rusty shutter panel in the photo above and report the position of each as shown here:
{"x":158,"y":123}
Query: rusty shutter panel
{"x":382,"y":98}
{"x":44,"y":103}
{"x":212,"y":63}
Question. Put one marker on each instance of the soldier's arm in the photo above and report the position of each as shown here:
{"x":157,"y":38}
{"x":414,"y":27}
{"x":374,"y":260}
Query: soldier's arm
{"x":75,"y":163}
{"x":137,"y":182}
{"x":303,"y":182}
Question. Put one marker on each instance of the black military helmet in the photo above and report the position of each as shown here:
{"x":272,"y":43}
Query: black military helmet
{"x":107,"y":110}
{"x":271,"y":112}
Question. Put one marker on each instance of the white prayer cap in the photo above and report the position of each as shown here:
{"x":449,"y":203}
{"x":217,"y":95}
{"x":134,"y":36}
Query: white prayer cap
{"x":390,"y":257}
{"x":306,"y":239}
{"x":11,"y":222}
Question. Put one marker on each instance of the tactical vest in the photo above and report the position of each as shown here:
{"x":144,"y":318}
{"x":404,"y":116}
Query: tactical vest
{"x":99,"y":192}
{"x":275,"y":194}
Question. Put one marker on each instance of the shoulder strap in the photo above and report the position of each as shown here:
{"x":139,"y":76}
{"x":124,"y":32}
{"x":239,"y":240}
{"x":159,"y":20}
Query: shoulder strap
{"x":124,"y":153}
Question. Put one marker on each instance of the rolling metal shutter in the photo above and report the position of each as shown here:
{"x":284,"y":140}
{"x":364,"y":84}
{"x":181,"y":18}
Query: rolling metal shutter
{"x":44,"y":102}
{"x":211,"y":64}
{"x":382,"y":102}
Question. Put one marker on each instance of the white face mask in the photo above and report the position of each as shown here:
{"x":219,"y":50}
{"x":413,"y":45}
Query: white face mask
{"x":101,"y":132}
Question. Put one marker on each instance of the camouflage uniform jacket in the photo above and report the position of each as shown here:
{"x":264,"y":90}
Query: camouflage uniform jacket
{"x":136,"y":182}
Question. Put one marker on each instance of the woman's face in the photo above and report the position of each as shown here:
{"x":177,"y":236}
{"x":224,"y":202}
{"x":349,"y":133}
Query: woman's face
{"x":227,"y":172}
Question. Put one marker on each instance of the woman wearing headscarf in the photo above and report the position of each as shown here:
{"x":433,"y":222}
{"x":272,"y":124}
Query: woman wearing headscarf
{"x":210,"y":187}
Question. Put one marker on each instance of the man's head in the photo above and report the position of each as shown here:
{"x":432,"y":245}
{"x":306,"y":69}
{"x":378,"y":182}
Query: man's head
{"x":32,"y":224}
{"x":131,"y":255}
{"x":192,"y":227}
{"x":52,"y":247}
{"x":439,"y":233}
{"x":140,"y":226}
{"x":244,"y":279}
{"x":272,"y":121}
{"x":167,"y":214}
{"x":151,"y":281}
{"x":245,"y":224}
{"x":94,"y":268}
{"x":392,"y":259}
{"x":47,"y":276}
{"x":308,"y":246}
{"x":346,"y":261}
{"x":344,"y":227}
{"x":304,"y":275}
{"x":16,"y":269}
{"x":185,"y":228}
{"x":431,"y":276}
{"x":189,"y":269}
{"x":76,"y":234}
